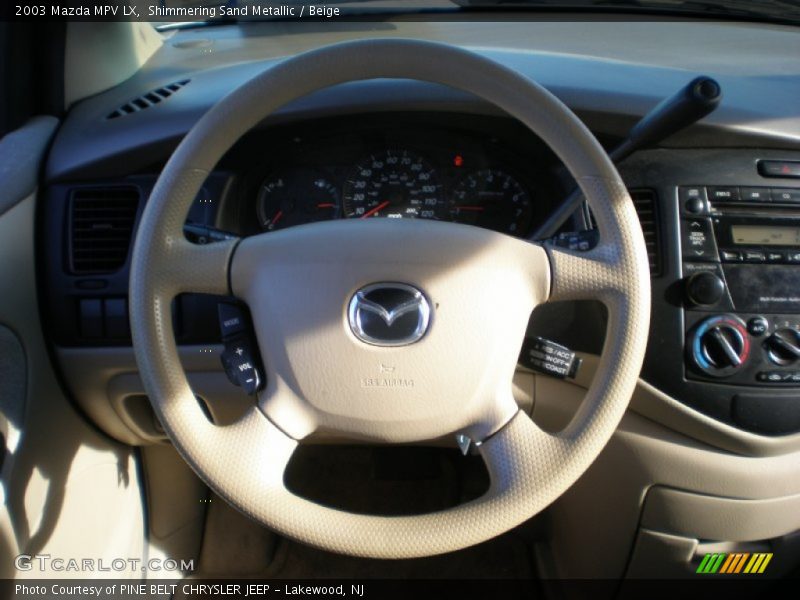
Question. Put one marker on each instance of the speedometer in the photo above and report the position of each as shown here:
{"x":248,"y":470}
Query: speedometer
{"x":396,"y":184}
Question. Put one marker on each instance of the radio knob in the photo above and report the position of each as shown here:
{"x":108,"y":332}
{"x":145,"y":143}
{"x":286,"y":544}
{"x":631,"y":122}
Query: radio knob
{"x":705,"y":288}
{"x":720,"y":345}
{"x":783,"y":346}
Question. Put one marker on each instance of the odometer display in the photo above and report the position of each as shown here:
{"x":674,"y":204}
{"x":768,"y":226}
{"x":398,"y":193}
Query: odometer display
{"x":396,"y":184}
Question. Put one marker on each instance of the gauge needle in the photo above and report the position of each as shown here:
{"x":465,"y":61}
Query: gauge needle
{"x":371,"y":212}
{"x":276,"y":218}
{"x":475,"y":208}
{"x":326,"y":205}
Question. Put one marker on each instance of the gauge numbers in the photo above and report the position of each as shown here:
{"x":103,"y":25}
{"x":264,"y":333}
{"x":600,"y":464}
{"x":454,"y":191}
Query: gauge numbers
{"x":492,"y":199}
{"x":397,"y":184}
{"x":295,"y":197}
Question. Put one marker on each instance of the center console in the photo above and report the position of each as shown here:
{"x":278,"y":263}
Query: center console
{"x":725,"y":325}
{"x":741,"y":253}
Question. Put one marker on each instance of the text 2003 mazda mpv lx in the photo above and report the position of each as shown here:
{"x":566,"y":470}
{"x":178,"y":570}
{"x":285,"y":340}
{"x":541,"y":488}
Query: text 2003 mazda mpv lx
{"x":477,"y":291}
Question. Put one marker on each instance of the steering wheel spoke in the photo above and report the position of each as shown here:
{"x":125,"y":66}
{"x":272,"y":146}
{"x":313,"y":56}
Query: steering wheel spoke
{"x":522,"y":459}
{"x":583,"y":275}
{"x":203,"y":269}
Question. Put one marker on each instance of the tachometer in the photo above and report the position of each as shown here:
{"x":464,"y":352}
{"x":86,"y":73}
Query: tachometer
{"x":294,"y":197}
{"x":395,"y":184}
{"x":492,"y":199}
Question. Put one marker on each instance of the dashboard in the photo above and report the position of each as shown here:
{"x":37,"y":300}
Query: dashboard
{"x":405,"y":149}
{"x":487,"y":173}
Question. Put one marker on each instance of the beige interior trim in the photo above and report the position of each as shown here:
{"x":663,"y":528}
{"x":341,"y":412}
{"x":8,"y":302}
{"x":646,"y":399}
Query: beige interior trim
{"x":654,"y":404}
{"x":99,"y":56}
{"x":712,"y":518}
{"x":62,"y":479}
{"x":641,"y":455}
{"x":177,"y":503}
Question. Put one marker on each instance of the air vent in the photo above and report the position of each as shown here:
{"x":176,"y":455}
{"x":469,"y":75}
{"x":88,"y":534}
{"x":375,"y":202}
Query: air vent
{"x":101,"y":224}
{"x":644,"y":200}
{"x":147,"y":100}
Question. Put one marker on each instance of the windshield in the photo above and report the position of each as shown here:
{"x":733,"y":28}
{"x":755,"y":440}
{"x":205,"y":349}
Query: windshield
{"x":784,"y":11}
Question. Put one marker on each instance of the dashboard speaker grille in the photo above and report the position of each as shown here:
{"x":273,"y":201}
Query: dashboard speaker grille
{"x":100,"y":228}
{"x":147,"y":100}
{"x":646,"y":204}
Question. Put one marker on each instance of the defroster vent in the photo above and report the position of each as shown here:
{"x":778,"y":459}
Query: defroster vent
{"x":147,"y":100}
{"x":100,"y":228}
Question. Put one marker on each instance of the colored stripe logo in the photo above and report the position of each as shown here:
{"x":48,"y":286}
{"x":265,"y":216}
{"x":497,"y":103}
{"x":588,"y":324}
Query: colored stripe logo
{"x":734,"y":563}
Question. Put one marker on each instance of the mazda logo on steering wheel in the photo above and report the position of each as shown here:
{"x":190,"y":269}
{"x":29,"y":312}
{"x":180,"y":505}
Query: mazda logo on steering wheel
{"x":389,"y":314}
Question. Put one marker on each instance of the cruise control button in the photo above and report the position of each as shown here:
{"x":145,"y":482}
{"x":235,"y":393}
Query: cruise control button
{"x":723,"y":194}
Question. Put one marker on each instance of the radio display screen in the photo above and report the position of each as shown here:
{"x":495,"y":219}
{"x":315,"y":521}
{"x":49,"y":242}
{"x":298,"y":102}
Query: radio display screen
{"x":765,"y":235}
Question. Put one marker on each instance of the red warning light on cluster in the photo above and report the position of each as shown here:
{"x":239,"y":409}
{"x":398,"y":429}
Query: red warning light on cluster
{"x":458,"y":160}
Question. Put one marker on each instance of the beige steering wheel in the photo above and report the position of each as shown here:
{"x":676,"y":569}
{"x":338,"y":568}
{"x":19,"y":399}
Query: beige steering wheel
{"x":454,"y":377}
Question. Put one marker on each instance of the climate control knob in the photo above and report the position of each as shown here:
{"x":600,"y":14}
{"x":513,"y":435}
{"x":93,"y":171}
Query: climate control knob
{"x":720,"y":345}
{"x":783,"y":346}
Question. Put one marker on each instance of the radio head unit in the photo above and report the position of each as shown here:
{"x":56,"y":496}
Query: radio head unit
{"x":741,"y":266}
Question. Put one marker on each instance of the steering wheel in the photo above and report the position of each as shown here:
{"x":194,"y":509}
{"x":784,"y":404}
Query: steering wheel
{"x":339,"y":315}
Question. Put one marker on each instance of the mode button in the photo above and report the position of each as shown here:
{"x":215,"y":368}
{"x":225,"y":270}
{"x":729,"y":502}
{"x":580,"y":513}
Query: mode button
{"x":723,"y":194}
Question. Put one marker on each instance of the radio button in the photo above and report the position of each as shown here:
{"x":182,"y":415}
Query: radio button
{"x":754,"y":194}
{"x":757,"y":326}
{"x":698,"y":240}
{"x":704,"y":288}
{"x":693,"y":199}
{"x":793,"y":257}
{"x":696,"y":206}
{"x":730,"y":256}
{"x":785,"y":195}
{"x":775,"y":257}
{"x":754,"y":256}
{"x":723,"y":194}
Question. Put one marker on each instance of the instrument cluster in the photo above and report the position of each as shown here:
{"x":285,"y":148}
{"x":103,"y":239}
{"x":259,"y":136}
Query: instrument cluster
{"x":399,"y":181}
